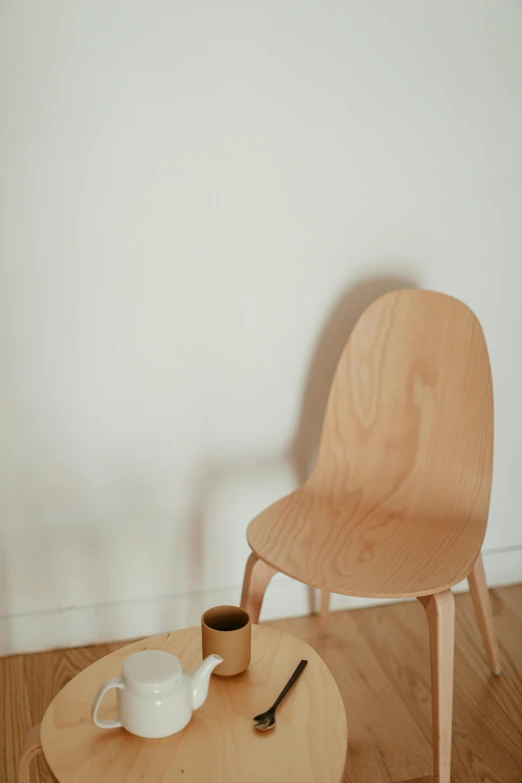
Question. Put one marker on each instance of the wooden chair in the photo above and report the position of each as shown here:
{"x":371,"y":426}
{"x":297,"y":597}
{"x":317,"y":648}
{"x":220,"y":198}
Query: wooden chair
{"x":397,"y":503}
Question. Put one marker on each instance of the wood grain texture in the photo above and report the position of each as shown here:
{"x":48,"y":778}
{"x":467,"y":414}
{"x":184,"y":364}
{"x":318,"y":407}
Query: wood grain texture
{"x":257,"y":576}
{"x":380,"y":658}
{"x":397,"y":503}
{"x":440,"y":611}
{"x":32,"y":747}
{"x":220,"y":743}
{"x":46,"y":674}
{"x":324,"y":611}
{"x":480,"y":594}
{"x":487,"y":710}
{"x":15,"y":714}
{"x":381,"y":662}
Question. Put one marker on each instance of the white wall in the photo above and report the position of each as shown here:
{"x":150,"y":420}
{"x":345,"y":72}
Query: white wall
{"x":197,"y":199}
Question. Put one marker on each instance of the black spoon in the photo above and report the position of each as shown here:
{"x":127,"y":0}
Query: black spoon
{"x":266,"y":720}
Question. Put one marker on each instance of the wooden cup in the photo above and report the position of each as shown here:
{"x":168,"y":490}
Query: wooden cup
{"x":226,"y":631}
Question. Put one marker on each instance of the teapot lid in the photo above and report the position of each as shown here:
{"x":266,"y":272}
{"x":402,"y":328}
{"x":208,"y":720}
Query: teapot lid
{"x":152,"y":670}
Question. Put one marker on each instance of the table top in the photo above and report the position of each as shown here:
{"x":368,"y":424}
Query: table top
{"x":220,"y":744}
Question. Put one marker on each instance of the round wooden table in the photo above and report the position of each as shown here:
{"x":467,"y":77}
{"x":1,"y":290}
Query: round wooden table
{"x":220,"y":744}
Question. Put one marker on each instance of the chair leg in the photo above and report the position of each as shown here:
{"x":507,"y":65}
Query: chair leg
{"x":482,"y":603}
{"x":257,"y":576}
{"x":440,"y":611}
{"x":32,"y":746}
{"x":324,"y":612}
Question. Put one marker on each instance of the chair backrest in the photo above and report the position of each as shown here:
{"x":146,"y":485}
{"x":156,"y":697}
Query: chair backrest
{"x":408,"y":428}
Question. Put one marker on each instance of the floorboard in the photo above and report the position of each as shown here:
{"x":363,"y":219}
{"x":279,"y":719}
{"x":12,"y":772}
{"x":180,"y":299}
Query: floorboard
{"x":380,"y":659}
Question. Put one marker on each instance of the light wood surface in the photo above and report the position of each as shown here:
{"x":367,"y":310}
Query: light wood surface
{"x":324,"y":610}
{"x":380,"y":660}
{"x":397,"y":503}
{"x":32,"y":746}
{"x":480,"y":594}
{"x":257,"y":576}
{"x":220,"y":744}
{"x":440,"y":611}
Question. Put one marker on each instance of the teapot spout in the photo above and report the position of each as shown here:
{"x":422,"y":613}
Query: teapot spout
{"x":200,"y":679}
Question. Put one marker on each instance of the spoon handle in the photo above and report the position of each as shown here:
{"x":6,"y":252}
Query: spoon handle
{"x":300,"y":668}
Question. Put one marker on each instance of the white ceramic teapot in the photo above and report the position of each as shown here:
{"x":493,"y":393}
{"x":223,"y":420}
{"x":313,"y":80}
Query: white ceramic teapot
{"x":155,"y":696}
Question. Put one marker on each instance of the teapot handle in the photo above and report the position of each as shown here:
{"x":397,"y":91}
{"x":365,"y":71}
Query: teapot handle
{"x":115,"y":682}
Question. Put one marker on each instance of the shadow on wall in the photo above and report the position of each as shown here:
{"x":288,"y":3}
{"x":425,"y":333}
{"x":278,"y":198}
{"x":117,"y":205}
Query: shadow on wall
{"x":336,"y":331}
{"x":334,"y":336}
{"x":55,"y":560}
{"x":76,"y":565}
{"x":220,"y":483}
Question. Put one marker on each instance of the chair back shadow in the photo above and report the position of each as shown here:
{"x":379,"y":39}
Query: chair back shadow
{"x":330,"y":344}
{"x":218,"y":481}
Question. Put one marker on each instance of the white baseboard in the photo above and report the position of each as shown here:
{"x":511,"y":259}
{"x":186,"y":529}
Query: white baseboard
{"x":74,"y":627}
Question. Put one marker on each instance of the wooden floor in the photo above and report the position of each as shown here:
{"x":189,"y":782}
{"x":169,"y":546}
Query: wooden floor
{"x":379,"y":658}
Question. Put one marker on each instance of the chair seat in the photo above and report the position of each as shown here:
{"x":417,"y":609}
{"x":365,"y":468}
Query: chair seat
{"x":360,"y":548}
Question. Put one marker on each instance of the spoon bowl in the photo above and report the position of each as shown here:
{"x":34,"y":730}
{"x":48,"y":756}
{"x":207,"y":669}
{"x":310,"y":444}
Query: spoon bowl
{"x":266,"y":720}
{"x":266,"y":723}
